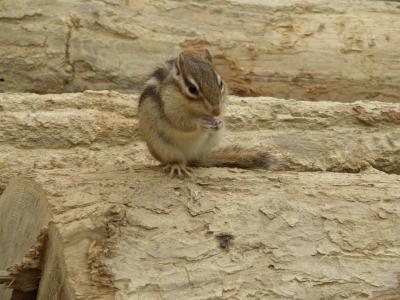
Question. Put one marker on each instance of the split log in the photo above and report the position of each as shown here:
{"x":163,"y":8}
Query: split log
{"x":316,"y":50}
{"x":24,"y":213}
{"x":322,"y":226}
{"x":231,"y":233}
{"x":98,"y":130}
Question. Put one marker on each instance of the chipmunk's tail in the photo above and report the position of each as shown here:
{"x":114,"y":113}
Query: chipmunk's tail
{"x":238,"y":157}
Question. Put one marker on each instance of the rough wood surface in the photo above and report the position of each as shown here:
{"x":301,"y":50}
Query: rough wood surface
{"x":98,"y":130}
{"x":324,"y":225}
{"x":316,"y":50}
{"x":294,"y":235}
{"x":23,"y":213}
{"x":55,"y":280}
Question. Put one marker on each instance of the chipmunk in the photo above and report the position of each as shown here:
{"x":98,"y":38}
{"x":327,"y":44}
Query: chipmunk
{"x":180,"y":117}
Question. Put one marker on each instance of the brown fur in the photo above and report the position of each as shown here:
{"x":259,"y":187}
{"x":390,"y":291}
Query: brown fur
{"x":171,"y":118}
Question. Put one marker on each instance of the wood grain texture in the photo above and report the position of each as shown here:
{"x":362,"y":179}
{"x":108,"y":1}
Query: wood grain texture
{"x":55,"y":283}
{"x":98,"y":130}
{"x":294,"y":235}
{"x":323,"y":225}
{"x":24,"y":212}
{"x":314,"y":50}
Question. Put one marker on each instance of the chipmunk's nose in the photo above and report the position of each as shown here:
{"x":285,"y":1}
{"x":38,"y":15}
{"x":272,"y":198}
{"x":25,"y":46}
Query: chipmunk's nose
{"x":216,"y":111}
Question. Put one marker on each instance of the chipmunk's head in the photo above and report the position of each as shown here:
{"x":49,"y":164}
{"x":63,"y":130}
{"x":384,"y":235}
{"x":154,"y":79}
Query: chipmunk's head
{"x":198,"y":81}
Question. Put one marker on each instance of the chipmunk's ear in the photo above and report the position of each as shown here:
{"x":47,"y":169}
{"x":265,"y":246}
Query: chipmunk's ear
{"x":207,"y":55}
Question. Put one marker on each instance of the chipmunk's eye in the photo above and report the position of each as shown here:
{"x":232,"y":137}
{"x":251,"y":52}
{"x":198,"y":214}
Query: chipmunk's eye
{"x":220,"y":83}
{"x":192,"y":88}
{"x":222,"y":87}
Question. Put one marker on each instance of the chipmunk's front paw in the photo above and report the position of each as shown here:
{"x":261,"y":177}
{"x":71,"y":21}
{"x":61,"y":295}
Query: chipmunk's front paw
{"x":178,"y":169}
{"x":211,"y":123}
